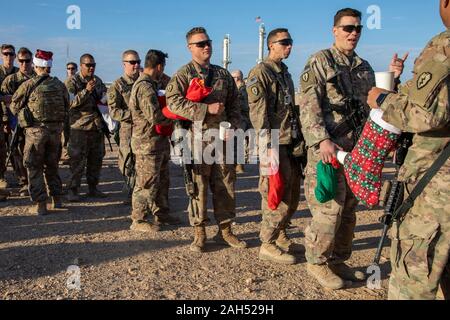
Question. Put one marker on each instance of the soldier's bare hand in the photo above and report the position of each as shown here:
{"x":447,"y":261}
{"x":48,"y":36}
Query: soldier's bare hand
{"x":216,"y":108}
{"x":90,"y":85}
{"x":373,"y":95}
{"x":398,"y":65}
{"x":328,"y":150}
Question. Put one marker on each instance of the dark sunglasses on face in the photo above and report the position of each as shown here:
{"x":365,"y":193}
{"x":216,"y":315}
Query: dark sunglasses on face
{"x":134,"y":62}
{"x":202,"y":44}
{"x":24,"y":60}
{"x":9,"y":54}
{"x":90,"y":65}
{"x":285,"y":42}
{"x":71,"y":68}
{"x":351,"y":28}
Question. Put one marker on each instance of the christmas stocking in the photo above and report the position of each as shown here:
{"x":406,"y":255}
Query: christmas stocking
{"x":364,"y":165}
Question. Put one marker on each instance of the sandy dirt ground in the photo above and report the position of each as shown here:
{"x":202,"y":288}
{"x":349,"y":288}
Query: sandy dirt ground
{"x":115,"y":263}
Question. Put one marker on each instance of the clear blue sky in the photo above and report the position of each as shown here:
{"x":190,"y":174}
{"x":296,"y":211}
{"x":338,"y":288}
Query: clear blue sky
{"x":110,"y":27}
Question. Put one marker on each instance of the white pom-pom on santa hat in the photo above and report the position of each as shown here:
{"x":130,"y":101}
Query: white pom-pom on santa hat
{"x":43,"y":59}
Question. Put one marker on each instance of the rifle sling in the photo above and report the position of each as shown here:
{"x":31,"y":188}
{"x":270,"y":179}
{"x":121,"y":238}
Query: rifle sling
{"x":437,"y":165}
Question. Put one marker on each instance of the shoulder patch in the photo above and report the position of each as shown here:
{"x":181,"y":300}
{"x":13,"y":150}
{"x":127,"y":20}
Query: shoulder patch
{"x":255,"y":90}
{"x":307,"y":79}
{"x":423,"y":80}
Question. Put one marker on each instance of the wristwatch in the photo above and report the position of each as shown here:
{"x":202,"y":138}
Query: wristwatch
{"x":381,"y":99}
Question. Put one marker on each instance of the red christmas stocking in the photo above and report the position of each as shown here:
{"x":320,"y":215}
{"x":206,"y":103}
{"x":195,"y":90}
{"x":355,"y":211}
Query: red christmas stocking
{"x":364,"y":165}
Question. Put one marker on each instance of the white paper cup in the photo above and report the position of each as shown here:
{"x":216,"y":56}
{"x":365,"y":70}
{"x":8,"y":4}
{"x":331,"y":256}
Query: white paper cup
{"x":224,"y":127}
{"x":385,"y":80}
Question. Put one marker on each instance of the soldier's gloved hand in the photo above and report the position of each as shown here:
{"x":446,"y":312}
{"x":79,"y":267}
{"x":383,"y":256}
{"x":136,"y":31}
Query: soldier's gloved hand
{"x":328,"y":150}
{"x":397,"y":65}
{"x":216,"y":108}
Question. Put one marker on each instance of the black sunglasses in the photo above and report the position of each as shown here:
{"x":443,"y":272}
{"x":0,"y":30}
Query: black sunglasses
{"x":133,"y":62}
{"x":90,"y":65}
{"x":351,"y":28}
{"x":24,"y":60}
{"x":71,"y":68}
{"x":202,"y":44}
{"x":285,"y":42}
{"x":10,"y":54}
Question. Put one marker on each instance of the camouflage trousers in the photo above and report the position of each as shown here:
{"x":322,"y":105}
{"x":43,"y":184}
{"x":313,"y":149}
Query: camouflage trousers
{"x":221,"y":179}
{"x":41,"y":159}
{"x":86,"y":150}
{"x":16,"y":159}
{"x":273,"y":221}
{"x":329,"y":236}
{"x":421,"y":245}
{"x":151,"y":192}
{"x":65,"y":137}
{"x":124,"y":148}
{"x":3,"y":153}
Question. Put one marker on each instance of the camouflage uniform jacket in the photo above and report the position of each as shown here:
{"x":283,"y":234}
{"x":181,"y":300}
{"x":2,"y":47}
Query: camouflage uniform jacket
{"x":146,"y":113}
{"x":326,"y":86}
{"x":422,"y":107}
{"x":266,"y":98}
{"x":22,"y":95}
{"x":84,"y":113}
{"x":224,"y":91}
{"x":3,"y":75}
{"x":118,"y":100}
{"x":245,"y":111}
{"x":13,"y":82}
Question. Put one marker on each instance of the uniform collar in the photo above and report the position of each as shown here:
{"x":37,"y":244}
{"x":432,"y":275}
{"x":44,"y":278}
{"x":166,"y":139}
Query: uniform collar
{"x":202,"y":72}
{"x":128,"y":79}
{"x":146,"y":77}
{"x":13,"y":70}
{"x":277,"y":67}
{"x":342,"y":59}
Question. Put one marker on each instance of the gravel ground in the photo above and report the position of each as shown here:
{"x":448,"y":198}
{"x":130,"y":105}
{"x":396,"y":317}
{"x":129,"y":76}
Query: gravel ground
{"x":115,"y":263}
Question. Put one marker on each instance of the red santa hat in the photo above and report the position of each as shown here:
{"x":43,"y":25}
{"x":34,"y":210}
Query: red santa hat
{"x":43,"y":59}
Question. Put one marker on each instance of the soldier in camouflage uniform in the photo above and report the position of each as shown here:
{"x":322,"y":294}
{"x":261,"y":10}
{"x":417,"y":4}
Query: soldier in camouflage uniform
{"x":152,"y":151}
{"x":334,"y":84}
{"x":9,"y":87}
{"x":47,"y":100}
{"x":271,"y":100}
{"x":421,"y":239}
{"x":245,"y":116}
{"x":221,"y":105}
{"x":118,"y":98}
{"x":71,"y":70}
{"x":87,"y":142}
{"x":7,"y":68}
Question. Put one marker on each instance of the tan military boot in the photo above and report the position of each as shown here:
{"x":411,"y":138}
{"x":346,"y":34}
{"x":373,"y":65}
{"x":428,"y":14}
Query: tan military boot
{"x":270,"y":252}
{"x":240,"y":169}
{"x":3,"y":183}
{"x":73,"y":195}
{"x":325,"y":276}
{"x":225,"y":236}
{"x":283,"y":242}
{"x":198,"y":244}
{"x":347,"y":273}
{"x":39,"y":208}
{"x":144,"y":226}
{"x":57,"y":202}
{"x":23,"y":192}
